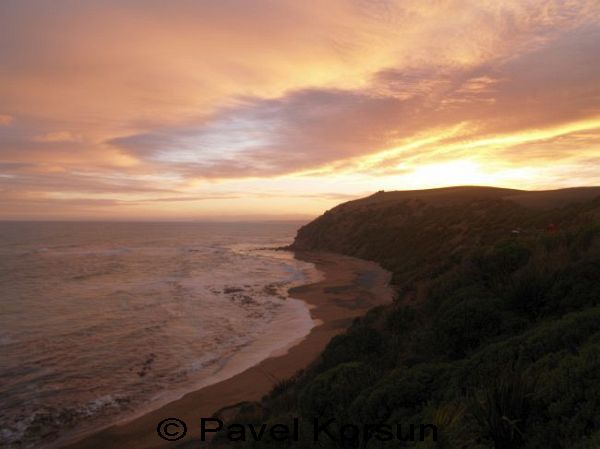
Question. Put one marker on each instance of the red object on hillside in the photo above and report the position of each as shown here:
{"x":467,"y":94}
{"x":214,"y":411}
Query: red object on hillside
{"x":551,"y":228}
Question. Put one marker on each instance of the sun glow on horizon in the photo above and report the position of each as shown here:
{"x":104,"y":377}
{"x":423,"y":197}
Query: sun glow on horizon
{"x":207,"y":109}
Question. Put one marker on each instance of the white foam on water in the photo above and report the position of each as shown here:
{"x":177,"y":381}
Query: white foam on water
{"x":115,"y":320}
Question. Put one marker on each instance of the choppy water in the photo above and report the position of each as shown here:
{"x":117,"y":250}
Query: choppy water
{"x":101,"y":320}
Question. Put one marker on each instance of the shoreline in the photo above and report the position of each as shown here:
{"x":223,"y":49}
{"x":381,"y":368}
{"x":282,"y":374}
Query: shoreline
{"x":349,"y":288}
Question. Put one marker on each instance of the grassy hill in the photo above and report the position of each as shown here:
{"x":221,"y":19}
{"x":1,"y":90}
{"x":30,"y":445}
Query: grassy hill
{"x":494,"y":337}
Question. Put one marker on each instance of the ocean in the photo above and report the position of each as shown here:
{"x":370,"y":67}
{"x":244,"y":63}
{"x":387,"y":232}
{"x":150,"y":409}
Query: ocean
{"x":100,"y":322}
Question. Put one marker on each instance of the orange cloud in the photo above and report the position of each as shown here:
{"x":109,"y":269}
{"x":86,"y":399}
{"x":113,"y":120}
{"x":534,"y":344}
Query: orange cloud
{"x":57,"y":136}
{"x":204,"y":98}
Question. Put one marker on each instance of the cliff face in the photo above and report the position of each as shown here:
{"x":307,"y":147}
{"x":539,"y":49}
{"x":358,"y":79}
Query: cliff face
{"x":418,"y":233}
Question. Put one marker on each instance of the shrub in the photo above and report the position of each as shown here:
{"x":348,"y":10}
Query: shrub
{"x":497,"y":262}
{"x":502,"y":409}
{"x":331,"y":393}
{"x":359,"y":344}
{"x":467,"y":325}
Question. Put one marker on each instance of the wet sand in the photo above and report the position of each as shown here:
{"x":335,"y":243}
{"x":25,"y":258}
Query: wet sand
{"x":349,"y":288}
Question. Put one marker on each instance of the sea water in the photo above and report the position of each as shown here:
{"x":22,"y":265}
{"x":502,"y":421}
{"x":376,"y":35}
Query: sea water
{"x":100,"y":321}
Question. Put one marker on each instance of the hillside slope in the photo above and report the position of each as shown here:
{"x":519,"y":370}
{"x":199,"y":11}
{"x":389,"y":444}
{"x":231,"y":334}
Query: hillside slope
{"x":418,"y":233}
{"x":494,"y":337}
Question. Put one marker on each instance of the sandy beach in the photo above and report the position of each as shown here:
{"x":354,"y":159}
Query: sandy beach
{"x":348,"y":289}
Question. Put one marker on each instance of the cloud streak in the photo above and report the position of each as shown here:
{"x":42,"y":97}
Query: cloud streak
{"x":188,"y":100}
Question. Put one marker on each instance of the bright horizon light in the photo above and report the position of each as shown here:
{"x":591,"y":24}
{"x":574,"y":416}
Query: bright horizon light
{"x":262,"y":110}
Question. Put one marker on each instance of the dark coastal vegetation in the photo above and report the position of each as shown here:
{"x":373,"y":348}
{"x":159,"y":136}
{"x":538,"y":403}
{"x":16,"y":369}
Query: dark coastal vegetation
{"x":494,"y":337}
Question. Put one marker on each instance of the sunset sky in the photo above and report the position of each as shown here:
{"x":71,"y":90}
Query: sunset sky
{"x":180,"y":109}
